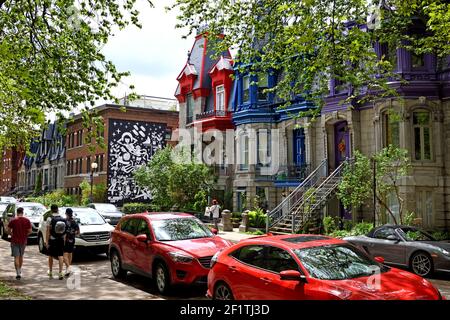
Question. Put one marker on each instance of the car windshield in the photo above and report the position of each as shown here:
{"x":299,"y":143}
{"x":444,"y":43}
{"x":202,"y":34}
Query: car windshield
{"x":3,"y":207}
{"x":180,"y":229}
{"x":105,"y":207}
{"x":414,"y":234}
{"x":33,"y":210}
{"x":88,"y":217}
{"x":337,"y":262}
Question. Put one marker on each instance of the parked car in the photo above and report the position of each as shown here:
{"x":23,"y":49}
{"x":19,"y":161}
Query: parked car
{"x":172,"y":248}
{"x":3,"y":207}
{"x":309,"y":267}
{"x":108,"y":211}
{"x":32,"y":210}
{"x":423,"y":256}
{"x":95,"y":232}
{"x":8,"y":200}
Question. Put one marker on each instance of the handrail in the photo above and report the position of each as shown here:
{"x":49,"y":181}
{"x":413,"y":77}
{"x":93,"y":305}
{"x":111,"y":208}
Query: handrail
{"x":291,"y":200}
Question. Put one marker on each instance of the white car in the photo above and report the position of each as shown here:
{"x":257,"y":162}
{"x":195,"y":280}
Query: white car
{"x":95,"y":231}
{"x":8,"y":200}
{"x":31,"y":210}
{"x":108,"y":211}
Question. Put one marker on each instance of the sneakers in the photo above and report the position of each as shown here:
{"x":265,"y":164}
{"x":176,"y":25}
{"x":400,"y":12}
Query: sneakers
{"x":18,"y":277}
{"x":50,"y":274}
{"x":61,"y":276}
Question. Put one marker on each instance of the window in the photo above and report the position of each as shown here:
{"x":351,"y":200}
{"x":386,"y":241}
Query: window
{"x":424,"y":207}
{"x":263,"y":84}
{"x":422,"y":135}
{"x":383,"y":233}
{"x":278,"y":260}
{"x":88,"y":164}
{"x":130,"y":226}
{"x":246,"y":89}
{"x":417,"y":61}
{"x":243,"y":155}
{"x":252,"y":255}
{"x":264,"y":141}
{"x":220,"y":98}
{"x":142,"y":228}
{"x":189,"y":109}
{"x":391,"y":130}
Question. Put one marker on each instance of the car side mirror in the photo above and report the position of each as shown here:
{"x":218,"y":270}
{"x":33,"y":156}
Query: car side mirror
{"x":214,"y":231}
{"x":108,"y":220}
{"x":142,"y":238}
{"x":10,"y":215}
{"x":392,"y":237}
{"x":292,"y":275}
{"x":379,"y":259}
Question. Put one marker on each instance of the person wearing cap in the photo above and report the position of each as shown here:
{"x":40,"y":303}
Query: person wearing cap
{"x":215,"y":213}
{"x":72,"y":230}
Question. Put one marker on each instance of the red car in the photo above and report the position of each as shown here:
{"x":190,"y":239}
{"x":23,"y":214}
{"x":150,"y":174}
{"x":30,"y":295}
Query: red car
{"x":172,"y":248}
{"x":310,"y":267}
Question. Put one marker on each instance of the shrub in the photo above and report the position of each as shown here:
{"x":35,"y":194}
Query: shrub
{"x":362,"y":228}
{"x":58,"y":197}
{"x":131,"y":208}
{"x":329,"y":224}
{"x":236,"y":215}
{"x":257,"y":218}
{"x":98,"y":192}
{"x":256,"y":233}
{"x":440,"y":235}
{"x":340,"y":234}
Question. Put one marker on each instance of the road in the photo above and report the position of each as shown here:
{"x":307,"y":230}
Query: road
{"x":93,"y":280}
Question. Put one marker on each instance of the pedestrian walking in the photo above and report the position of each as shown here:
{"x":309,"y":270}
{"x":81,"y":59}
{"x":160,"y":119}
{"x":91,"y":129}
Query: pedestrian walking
{"x":72,"y":230}
{"x":19,"y":228}
{"x":215,"y":213}
{"x":56,"y":230}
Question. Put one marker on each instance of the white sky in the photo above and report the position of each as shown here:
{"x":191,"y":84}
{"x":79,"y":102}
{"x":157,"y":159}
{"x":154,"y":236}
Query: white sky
{"x":154,"y":54}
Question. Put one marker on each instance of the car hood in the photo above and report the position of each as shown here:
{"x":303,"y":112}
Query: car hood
{"x":199,"y":247}
{"x":96,"y":228}
{"x":114,"y":214}
{"x":394,"y":284}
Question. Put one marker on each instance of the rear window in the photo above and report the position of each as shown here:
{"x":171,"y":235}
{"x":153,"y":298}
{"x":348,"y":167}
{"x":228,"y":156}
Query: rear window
{"x":301,"y":239}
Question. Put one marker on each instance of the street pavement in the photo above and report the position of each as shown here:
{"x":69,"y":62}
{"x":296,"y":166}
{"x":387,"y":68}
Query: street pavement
{"x":93,"y":279}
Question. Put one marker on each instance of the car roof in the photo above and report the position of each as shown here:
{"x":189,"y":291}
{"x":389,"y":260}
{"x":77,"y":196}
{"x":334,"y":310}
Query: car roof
{"x":388,"y":225}
{"x":27,"y":204}
{"x":77,"y":209}
{"x":162,"y":215}
{"x":294,"y":241}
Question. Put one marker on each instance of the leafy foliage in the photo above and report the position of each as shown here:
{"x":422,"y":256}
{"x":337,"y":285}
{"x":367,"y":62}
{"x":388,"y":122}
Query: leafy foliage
{"x":358,"y":229}
{"x":51,"y":60}
{"x":132,"y":207}
{"x":257,"y":218}
{"x":174,"y":180}
{"x":58,"y":197}
{"x":98,"y":192}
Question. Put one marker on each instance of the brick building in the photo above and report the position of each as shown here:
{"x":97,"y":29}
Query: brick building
{"x":131,"y":137}
{"x":9,"y":165}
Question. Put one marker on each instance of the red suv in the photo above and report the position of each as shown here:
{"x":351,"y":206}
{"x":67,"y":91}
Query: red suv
{"x":309,"y":267}
{"x":172,"y":248}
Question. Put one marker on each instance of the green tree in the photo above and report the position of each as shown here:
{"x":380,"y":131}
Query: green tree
{"x":392,"y":164}
{"x":315,"y":40}
{"x":38,"y":185}
{"x":51,"y":60}
{"x":174,"y":180}
{"x":98,"y":192}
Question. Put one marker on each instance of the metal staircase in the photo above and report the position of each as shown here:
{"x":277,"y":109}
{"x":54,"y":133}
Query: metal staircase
{"x":304,"y":204}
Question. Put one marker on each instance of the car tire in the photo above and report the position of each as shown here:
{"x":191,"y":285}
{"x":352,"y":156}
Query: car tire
{"x":41,"y":246}
{"x":422,"y":264}
{"x":162,"y":278}
{"x":3,"y":233}
{"x":222,"y":292}
{"x":116,"y":266}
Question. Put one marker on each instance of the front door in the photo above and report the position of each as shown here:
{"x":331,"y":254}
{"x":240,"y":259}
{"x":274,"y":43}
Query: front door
{"x":342,"y":142}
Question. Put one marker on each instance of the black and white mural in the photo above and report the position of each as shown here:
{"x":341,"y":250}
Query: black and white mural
{"x":131,"y":145}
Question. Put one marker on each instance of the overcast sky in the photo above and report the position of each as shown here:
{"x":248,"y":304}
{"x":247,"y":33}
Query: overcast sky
{"x":154,"y":54}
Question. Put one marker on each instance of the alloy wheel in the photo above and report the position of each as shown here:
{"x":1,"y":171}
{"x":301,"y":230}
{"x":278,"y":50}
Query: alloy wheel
{"x":223,"y":293}
{"x":160,"y":279}
{"x":421,"y":264}
{"x":115,"y":265}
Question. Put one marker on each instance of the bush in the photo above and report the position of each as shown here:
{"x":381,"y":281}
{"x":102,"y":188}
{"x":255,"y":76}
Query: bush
{"x":340,"y":234}
{"x":255,"y":233}
{"x":358,"y":229}
{"x":58,"y":197}
{"x":441,"y":235}
{"x":98,"y":192}
{"x":131,"y":208}
{"x":329,"y":224}
{"x":257,"y":218}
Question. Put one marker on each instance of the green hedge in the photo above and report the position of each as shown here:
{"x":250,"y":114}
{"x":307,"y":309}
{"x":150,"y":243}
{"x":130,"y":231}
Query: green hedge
{"x":131,"y":208}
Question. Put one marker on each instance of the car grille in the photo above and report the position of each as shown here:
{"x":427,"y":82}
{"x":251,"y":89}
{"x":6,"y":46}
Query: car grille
{"x":205,"y":261}
{"x":35,"y":225}
{"x":95,"y":236}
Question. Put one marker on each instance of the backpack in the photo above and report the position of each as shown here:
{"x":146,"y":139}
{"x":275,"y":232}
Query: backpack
{"x":58,"y":227}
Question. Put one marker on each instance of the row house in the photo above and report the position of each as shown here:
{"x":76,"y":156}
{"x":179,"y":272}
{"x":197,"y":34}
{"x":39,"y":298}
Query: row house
{"x":9,"y":165}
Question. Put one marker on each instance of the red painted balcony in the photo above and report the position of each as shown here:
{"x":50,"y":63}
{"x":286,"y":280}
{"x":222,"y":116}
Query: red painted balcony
{"x":220,"y":120}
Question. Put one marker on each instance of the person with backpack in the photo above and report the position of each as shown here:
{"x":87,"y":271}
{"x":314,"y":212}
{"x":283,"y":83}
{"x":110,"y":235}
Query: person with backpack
{"x":215,"y":213}
{"x":56,"y":230}
{"x":72,"y":230}
{"x":20,"y":229}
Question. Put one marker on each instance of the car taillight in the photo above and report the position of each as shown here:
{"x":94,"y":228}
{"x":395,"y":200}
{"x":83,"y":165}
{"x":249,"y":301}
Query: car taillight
{"x":214,"y":259}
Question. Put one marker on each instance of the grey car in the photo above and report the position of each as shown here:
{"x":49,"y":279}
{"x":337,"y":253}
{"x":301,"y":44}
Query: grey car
{"x":108,"y":211}
{"x":421,"y":253}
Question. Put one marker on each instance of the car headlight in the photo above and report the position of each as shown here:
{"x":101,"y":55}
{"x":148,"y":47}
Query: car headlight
{"x":181,"y":257}
{"x":444,"y":252}
{"x":214,"y":259}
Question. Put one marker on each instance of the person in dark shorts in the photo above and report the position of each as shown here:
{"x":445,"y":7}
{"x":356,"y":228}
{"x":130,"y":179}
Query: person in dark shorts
{"x":20,"y":229}
{"x":72,"y":230}
{"x":56,"y":230}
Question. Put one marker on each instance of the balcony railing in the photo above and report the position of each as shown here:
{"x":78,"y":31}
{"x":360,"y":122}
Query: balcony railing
{"x":212,"y":113}
{"x":189,"y":119}
{"x":289,"y":173}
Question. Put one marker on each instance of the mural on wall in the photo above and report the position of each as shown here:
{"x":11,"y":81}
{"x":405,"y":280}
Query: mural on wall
{"x":131,"y":145}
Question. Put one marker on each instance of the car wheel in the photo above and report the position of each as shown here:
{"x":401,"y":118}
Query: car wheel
{"x":41,"y":245}
{"x":3,"y":233}
{"x":421,"y":264}
{"x":162,"y":278}
{"x":116,"y":266}
{"x":222,"y":292}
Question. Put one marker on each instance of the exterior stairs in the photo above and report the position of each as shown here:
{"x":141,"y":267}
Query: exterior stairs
{"x":301,"y":210}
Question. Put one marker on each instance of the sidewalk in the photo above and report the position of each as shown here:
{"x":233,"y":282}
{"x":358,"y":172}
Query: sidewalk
{"x":235,"y":235}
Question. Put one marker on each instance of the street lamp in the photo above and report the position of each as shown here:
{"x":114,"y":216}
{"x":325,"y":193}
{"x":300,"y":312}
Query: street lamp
{"x":94,"y":166}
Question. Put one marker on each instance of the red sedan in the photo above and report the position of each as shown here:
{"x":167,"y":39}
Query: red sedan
{"x":310,"y":267}
{"x":172,"y":248}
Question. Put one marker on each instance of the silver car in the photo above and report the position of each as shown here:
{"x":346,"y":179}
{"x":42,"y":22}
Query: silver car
{"x":421,"y":253}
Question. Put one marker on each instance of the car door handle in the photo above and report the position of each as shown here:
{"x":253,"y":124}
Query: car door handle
{"x":232,"y":268}
{"x":266,"y":280}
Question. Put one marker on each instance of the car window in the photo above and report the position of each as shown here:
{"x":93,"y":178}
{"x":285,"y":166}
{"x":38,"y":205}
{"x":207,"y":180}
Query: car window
{"x":131,"y":226}
{"x":142,"y":228}
{"x":278,"y":260}
{"x":124,"y":224}
{"x":383,"y":233}
{"x":252,"y":255}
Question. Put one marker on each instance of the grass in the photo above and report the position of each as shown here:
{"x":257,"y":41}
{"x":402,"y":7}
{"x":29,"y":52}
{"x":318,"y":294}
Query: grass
{"x":8,"y":293}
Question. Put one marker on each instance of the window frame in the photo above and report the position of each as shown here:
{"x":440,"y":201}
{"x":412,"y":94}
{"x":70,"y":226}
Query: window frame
{"x":220,"y":92}
{"x":422,"y":128}
{"x":388,"y":130}
{"x":246,"y":84}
